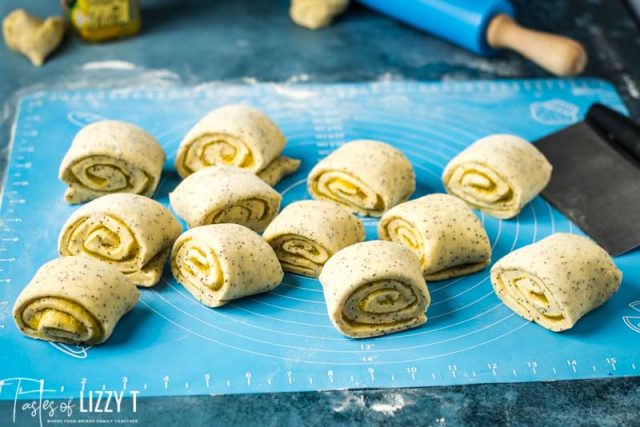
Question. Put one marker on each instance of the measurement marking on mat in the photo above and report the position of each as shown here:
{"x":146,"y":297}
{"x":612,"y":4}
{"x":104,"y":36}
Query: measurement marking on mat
{"x":186,"y":385}
{"x":612,"y":362}
{"x":533,"y":366}
{"x":633,"y":366}
{"x":5,"y":280}
{"x":165,"y":380}
{"x":7,"y":260}
{"x":9,"y":239}
{"x":125,"y":380}
{"x":269,"y":381}
{"x":412,"y":371}
{"x":453,"y":369}
{"x":310,"y":380}
{"x":13,"y":220}
{"x":228,"y":383}
{"x":572,"y":364}
{"x":554,"y":371}
{"x":20,"y":183}
{"x":371,"y":372}
{"x":473,"y":373}
{"x":289,"y":377}
{"x":207,"y":379}
{"x":83,"y":383}
{"x":594,"y":368}
{"x":393,"y":377}
{"x":248,"y":377}
{"x":433,"y":375}
{"x":494,"y":368}
{"x":515,"y":374}
{"x":144,"y":386}
{"x":330,"y":375}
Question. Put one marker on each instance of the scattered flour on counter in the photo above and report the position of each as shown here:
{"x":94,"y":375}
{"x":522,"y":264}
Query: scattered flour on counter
{"x":349,"y":403}
{"x":394,"y":402}
{"x":108,"y":65}
{"x":297,"y":78}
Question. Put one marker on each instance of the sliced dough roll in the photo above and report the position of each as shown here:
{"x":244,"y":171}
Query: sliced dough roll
{"x":234,"y":135}
{"x":222,"y":262}
{"x":224,"y":194}
{"x":307,"y":233}
{"x":556,"y":281}
{"x":374,"y":288}
{"x":111,"y":157}
{"x":366,"y":177}
{"x":443,"y":231}
{"x":74,"y":300}
{"x":131,"y":232}
{"x":498,"y":174}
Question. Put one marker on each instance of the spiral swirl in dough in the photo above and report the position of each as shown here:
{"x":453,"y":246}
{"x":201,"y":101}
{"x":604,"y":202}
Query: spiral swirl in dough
{"x":222,"y":262}
{"x":131,"y":232}
{"x":498,"y":174}
{"x":239,"y":136}
{"x":366,"y":177}
{"x":307,"y":233}
{"x":75,"y":300}
{"x":556,"y":281}
{"x":374,"y":288}
{"x":224,"y":194}
{"x":111,"y":157}
{"x":443,"y":231}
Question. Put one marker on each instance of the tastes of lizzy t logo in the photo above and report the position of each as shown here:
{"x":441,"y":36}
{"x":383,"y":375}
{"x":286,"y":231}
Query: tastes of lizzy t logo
{"x":30,"y":403}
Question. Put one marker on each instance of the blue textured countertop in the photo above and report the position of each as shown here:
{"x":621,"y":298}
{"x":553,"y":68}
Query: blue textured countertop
{"x":198,"y":42}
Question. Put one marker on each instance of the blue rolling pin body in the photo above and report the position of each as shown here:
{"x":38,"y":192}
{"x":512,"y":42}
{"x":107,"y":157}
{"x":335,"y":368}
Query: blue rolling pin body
{"x":463,"y":22}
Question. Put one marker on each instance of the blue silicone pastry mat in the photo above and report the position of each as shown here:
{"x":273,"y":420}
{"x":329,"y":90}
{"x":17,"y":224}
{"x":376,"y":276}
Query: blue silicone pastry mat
{"x":283,"y":341}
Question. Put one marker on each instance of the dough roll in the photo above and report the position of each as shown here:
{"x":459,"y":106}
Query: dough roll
{"x":222,"y":262}
{"x":307,"y":233}
{"x":443,"y":231}
{"x":111,"y":157}
{"x":233,"y":135}
{"x":556,"y":281}
{"x":366,"y":177}
{"x":224,"y":194}
{"x":131,"y":232}
{"x":498,"y":174}
{"x":74,"y":300}
{"x":374,"y":288}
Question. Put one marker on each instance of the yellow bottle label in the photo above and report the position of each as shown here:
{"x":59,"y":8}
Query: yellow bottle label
{"x":98,"y":20}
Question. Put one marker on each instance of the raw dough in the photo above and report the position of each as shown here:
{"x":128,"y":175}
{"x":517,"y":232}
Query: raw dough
{"x":307,"y":233}
{"x":222,"y":262}
{"x":278,"y":169}
{"x":225,"y":194}
{"x":443,"y":231}
{"x":367,"y":177}
{"x":498,"y":174}
{"x":233,"y":135}
{"x":556,"y":281}
{"x":74,"y":300}
{"x":314,"y":14}
{"x":374,"y":288}
{"x":131,"y":232}
{"x":111,"y":157}
{"x":31,"y":36}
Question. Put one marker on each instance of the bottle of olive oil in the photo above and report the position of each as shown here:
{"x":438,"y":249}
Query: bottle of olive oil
{"x":100,"y":20}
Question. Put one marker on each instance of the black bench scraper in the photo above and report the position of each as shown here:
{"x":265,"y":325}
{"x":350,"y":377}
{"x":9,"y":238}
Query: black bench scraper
{"x":596,"y":177}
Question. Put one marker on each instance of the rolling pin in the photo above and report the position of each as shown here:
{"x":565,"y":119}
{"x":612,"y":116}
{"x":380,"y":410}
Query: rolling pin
{"x":483,"y":26}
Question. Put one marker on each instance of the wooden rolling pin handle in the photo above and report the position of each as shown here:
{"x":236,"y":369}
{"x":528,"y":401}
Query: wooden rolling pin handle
{"x":559,"y":55}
